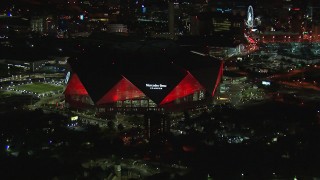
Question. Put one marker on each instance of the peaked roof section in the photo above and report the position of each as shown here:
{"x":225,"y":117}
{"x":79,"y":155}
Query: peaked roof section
{"x":205,"y":70}
{"x":206,"y":77}
{"x":99,"y":83}
{"x":123,"y":90}
{"x":75,"y":86}
{"x":220,"y":74}
{"x":155,"y":74}
{"x":187,"y":86}
{"x":98,"y":78}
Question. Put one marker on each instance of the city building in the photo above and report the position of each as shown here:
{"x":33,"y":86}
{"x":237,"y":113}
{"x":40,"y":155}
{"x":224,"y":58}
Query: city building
{"x":139,"y":76}
{"x":13,"y":26}
{"x":211,"y":23}
{"x":115,"y":28}
{"x":37,"y":24}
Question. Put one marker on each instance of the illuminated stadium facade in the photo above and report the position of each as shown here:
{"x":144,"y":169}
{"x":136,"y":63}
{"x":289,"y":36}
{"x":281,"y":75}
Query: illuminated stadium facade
{"x":140,"y":76}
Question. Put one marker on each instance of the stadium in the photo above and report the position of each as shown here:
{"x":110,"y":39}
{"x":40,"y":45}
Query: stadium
{"x":142,"y":76}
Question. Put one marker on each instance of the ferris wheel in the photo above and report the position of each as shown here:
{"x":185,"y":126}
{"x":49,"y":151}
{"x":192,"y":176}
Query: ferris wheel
{"x":250,"y":17}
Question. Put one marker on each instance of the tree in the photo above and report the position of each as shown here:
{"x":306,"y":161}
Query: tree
{"x":120,"y":127}
{"x":110,"y":124}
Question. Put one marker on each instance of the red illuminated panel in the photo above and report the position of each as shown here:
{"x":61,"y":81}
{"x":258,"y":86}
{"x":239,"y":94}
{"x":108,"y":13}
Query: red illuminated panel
{"x":123,"y":90}
{"x":218,"y":79}
{"x":187,"y":86}
{"x":75,"y":86}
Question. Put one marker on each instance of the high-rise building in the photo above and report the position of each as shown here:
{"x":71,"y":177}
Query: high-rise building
{"x":37,"y":24}
{"x":210,"y":23}
{"x":171,"y":19}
